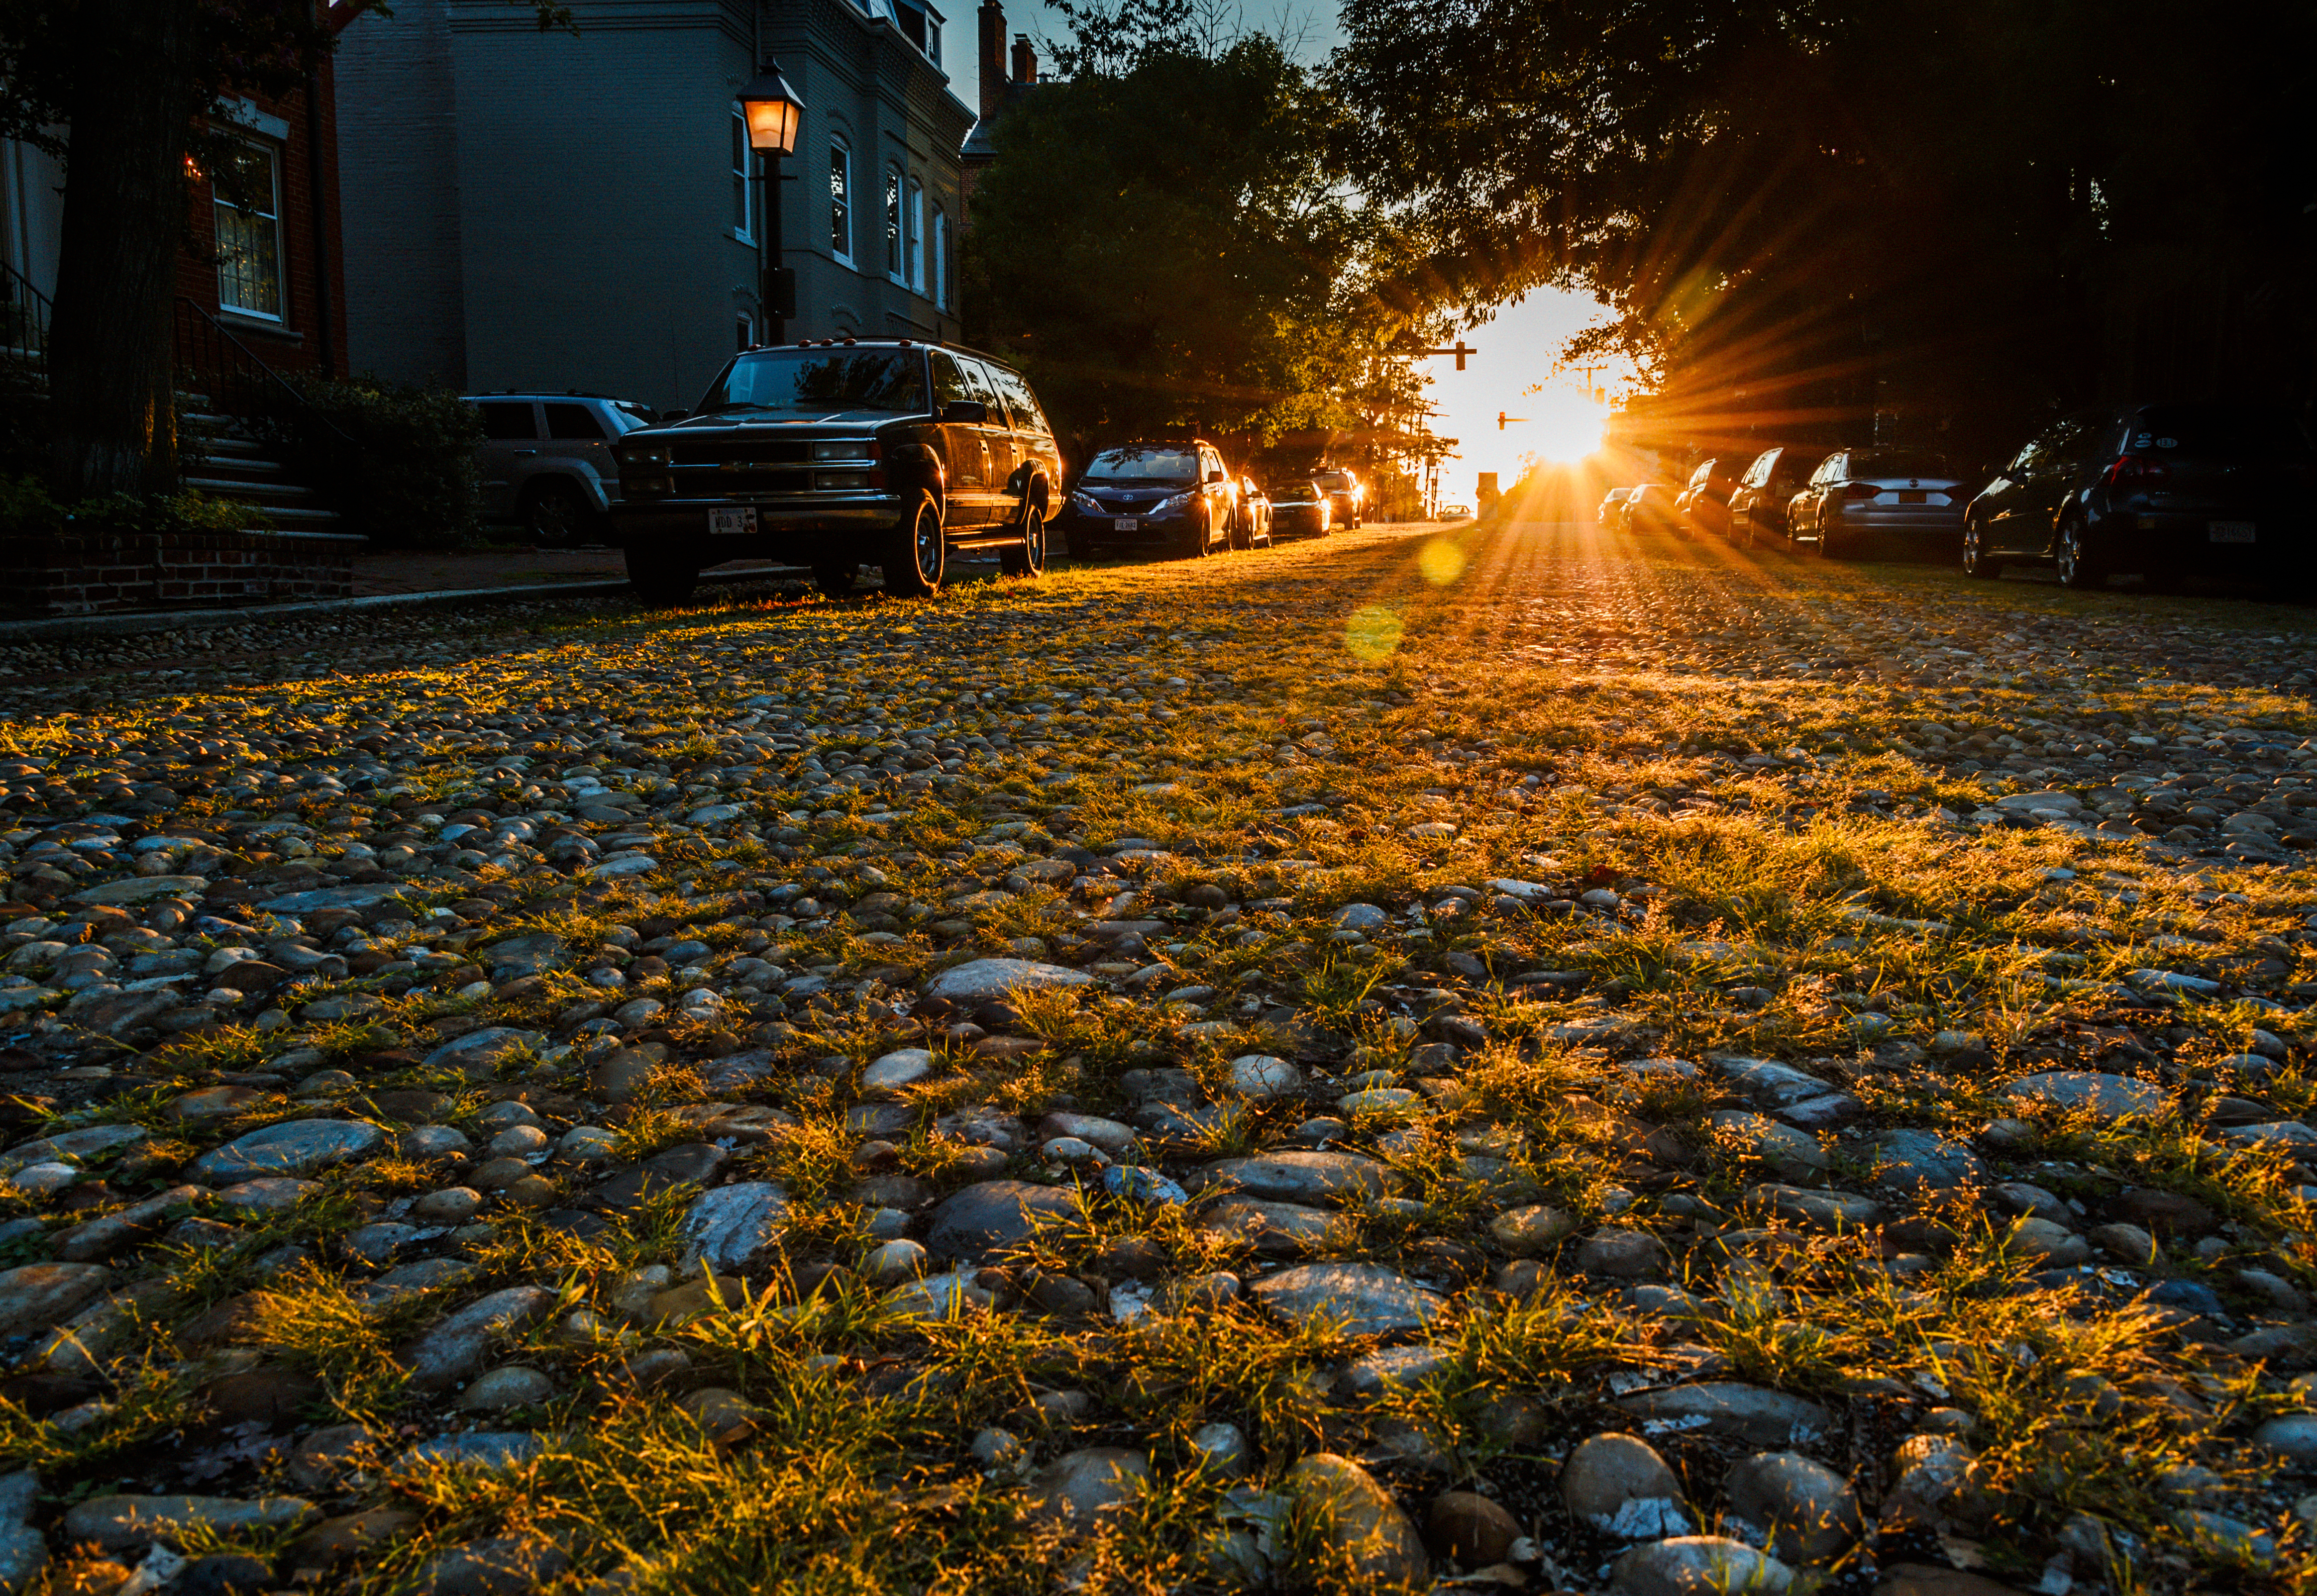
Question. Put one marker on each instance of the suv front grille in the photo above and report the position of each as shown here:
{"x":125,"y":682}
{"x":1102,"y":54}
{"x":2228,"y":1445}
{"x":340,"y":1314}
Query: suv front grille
{"x":756,"y":451}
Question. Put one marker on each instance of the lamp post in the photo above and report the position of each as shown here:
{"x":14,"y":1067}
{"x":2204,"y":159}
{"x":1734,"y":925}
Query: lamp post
{"x":773,"y":114}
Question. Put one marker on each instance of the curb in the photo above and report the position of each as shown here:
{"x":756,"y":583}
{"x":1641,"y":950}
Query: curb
{"x":70,"y":629}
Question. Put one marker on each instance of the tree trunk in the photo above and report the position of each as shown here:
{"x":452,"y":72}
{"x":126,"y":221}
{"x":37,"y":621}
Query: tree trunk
{"x":114,"y":421}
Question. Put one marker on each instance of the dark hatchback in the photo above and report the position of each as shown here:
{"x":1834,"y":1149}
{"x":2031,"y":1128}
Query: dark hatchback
{"x":1173,"y":496}
{"x":2186,"y":489}
{"x":834,"y":455}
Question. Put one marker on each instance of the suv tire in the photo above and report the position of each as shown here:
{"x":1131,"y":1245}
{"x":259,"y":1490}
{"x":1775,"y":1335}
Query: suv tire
{"x":556,"y":514}
{"x":1027,"y":558}
{"x":916,"y":552}
{"x":664,"y":573}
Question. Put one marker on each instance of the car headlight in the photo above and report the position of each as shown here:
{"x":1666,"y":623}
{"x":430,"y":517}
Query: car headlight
{"x":1179,"y":502}
{"x":1079,"y":502}
{"x":846,"y":448}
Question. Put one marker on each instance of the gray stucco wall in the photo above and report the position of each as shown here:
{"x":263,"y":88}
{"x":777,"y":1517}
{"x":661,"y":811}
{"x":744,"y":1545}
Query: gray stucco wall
{"x":539,"y":210}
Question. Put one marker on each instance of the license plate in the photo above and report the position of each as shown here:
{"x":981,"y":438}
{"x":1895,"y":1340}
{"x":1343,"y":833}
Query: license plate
{"x":2229,"y":531}
{"x":736,"y":522}
{"x":1124,"y":523}
{"x":1913,"y":498}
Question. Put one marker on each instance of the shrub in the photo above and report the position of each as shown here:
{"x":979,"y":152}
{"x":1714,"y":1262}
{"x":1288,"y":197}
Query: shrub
{"x":27,"y":509}
{"x":396,"y":463}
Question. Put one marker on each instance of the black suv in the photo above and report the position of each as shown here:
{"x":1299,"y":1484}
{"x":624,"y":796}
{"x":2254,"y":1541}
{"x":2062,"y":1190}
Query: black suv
{"x":1175,"y":495}
{"x":2186,"y":488}
{"x":889,"y":452}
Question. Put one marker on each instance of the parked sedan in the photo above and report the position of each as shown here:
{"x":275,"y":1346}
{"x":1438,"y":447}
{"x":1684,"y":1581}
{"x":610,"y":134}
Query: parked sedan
{"x":1611,"y":503}
{"x":1896,"y":497}
{"x":2172,"y":489}
{"x":546,"y":460}
{"x":1348,"y":495}
{"x":1173,"y":496}
{"x":1252,"y":530}
{"x":1758,"y":508}
{"x":1648,"y":508}
{"x":1300,"y":509}
{"x":1704,"y":505}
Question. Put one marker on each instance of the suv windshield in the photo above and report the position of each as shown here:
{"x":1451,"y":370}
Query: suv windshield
{"x":1144,"y":465}
{"x":818,"y":382}
{"x":1898,"y":462}
{"x":628,"y":417}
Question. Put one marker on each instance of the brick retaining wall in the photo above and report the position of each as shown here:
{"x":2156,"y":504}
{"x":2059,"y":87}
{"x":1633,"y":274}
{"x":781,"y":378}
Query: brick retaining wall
{"x":86,"y":572}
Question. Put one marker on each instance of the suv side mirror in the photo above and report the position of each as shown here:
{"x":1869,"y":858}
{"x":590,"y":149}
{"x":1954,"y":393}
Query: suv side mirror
{"x":1216,"y":475}
{"x":667,"y":415}
{"x":966,"y":413}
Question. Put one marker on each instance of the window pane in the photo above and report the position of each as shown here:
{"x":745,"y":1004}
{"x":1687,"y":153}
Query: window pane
{"x":509,"y":419}
{"x":840,"y":201}
{"x":917,"y":236}
{"x":893,"y":220}
{"x":941,"y":258}
{"x":948,"y":385}
{"x":248,"y":234}
{"x":572,"y":421}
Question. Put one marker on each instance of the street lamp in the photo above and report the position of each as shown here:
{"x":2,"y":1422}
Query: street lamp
{"x":773,"y":113}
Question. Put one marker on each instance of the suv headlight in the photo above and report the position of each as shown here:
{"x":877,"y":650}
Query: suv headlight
{"x":846,"y":448}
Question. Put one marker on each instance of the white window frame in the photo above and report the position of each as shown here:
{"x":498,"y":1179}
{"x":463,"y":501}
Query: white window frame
{"x":941,"y":259}
{"x":896,"y":256}
{"x":745,"y":229}
{"x":219,"y":203}
{"x":916,"y":241}
{"x":840,"y":155}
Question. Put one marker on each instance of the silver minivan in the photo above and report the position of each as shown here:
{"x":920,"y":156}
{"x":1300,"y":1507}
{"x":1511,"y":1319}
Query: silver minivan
{"x":546,"y":460}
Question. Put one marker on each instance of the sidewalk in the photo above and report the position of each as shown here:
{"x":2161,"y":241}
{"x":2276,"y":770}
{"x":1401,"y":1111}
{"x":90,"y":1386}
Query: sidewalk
{"x":470,"y":570}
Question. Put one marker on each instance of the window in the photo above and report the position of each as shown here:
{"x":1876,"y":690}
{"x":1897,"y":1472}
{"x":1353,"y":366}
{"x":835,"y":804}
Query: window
{"x":572,"y":424}
{"x":744,"y":192}
{"x":977,"y":384}
{"x":1019,"y":399}
{"x":744,"y":332}
{"x":840,"y":202}
{"x":248,"y":205}
{"x":941,"y":258}
{"x":508,"y":418}
{"x":917,"y":235}
{"x":948,"y":385}
{"x":893,"y":223}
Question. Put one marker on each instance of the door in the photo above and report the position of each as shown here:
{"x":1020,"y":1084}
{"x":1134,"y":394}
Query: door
{"x":1033,"y":440}
{"x":997,"y":441}
{"x":578,"y":445}
{"x":968,"y":460}
{"x":509,"y":452}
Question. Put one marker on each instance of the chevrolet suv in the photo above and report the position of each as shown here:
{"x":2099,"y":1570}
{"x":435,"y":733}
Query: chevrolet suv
{"x":889,"y":452}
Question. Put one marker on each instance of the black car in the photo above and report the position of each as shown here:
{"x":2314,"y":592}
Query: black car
{"x":1704,"y":505}
{"x":2174,"y":488}
{"x":1299,"y":508}
{"x":889,"y":452}
{"x":1173,"y":496}
{"x":1348,"y":495}
{"x":1758,"y":506}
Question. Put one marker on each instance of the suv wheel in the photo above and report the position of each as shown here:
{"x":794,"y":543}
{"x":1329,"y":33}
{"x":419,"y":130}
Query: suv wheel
{"x":1975,"y":560}
{"x":664,"y":573}
{"x":838,"y":580}
{"x":555,"y":512}
{"x":2079,"y":566}
{"x":1029,"y":558}
{"x":916,"y":552}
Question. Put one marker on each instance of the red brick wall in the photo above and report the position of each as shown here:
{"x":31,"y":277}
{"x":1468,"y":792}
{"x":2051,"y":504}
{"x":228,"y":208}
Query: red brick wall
{"x":311,"y":299}
{"x":82,"y":572}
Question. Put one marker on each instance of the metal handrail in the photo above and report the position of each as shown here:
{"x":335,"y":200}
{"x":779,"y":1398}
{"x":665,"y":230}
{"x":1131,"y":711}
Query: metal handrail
{"x":25,"y":313}
{"x":228,"y":370}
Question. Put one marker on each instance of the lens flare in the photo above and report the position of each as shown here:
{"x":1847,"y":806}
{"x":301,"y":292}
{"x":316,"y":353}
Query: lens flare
{"x":1441,"y":561}
{"x":1373,"y":634}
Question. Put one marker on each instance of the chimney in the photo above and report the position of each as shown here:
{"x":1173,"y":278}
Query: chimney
{"x":1026,"y":60}
{"x":992,"y":19}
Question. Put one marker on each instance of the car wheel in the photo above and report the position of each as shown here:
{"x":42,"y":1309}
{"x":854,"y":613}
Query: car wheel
{"x":1193,"y":544}
{"x":1975,"y":560}
{"x":917,"y":553}
{"x":555,"y":513}
{"x":1833,"y":543}
{"x":663,"y":572}
{"x":1028,"y":559}
{"x":2079,"y":568}
{"x":1242,"y":535}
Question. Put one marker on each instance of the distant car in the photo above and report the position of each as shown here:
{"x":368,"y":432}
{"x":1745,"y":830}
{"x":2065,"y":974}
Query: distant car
{"x":2172,"y":488}
{"x":1647,"y":508}
{"x":1703,"y":504}
{"x":1758,"y":508}
{"x":1893,"y":496}
{"x":546,"y":460}
{"x":1299,"y":508}
{"x":1252,"y":530}
{"x":1610,"y":503}
{"x":1456,"y":513}
{"x":1348,"y":495}
{"x":1171,"y":494}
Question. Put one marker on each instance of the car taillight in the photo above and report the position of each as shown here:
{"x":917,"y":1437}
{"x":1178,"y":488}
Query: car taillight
{"x":2137,"y":468}
{"x":1861,"y":490}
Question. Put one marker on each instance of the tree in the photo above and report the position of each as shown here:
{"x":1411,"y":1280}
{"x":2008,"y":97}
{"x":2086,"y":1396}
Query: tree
{"x":1843,"y":205}
{"x":1162,"y":243}
{"x":129,"y":94}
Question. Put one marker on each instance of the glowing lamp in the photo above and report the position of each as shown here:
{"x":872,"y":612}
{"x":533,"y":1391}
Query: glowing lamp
{"x":773,"y":111}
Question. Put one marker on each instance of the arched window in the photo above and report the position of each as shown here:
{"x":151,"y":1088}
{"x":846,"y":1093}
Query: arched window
{"x":744,"y":192}
{"x":893,"y":223}
{"x":916,"y":235}
{"x":840,"y":201}
{"x":941,"y":258}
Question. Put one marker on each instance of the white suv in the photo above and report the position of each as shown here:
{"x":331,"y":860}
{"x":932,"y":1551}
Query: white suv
{"x":546,"y":460}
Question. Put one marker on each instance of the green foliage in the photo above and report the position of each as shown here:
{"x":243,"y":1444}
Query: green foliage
{"x":397,"y":462}
{"x":27,"y":509}
{"x":1214,"y":275}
